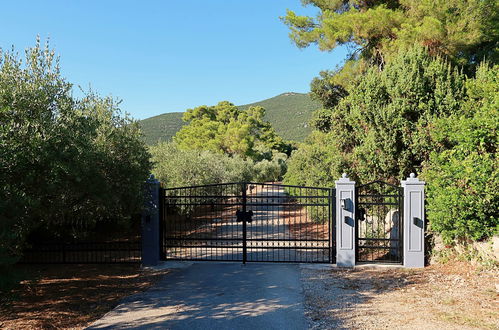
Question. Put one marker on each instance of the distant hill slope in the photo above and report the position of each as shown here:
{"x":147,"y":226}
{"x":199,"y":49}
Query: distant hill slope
{"x":162,"y":127}
{"x":289,"y":114}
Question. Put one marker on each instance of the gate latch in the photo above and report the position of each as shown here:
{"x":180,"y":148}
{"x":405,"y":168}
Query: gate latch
{"x":244,"y":216}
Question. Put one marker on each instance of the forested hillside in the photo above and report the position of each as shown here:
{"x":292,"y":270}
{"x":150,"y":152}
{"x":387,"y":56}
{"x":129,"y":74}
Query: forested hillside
{"x":288,"y":113}
{"x":162,"y":127}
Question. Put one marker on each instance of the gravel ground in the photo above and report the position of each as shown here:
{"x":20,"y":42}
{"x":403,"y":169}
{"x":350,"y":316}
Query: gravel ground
{"x":437,"y":297}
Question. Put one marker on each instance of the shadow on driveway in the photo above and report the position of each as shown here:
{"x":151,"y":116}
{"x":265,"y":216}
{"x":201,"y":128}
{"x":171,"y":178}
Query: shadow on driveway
{"x":216,"y":296}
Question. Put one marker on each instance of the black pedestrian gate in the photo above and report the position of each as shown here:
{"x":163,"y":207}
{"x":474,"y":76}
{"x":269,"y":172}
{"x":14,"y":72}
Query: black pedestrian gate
{"x":261,"y":222}
{"x":379,"y":223}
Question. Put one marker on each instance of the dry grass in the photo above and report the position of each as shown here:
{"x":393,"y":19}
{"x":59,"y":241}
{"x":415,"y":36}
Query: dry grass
{"x":70,"y":296}
{"x":451,"y":296}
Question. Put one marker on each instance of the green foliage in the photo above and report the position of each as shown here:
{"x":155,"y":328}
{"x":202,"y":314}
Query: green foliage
{"x":267,"y":170}
{"x":315,"y":163}
{"x":391,"y":110}
{"x":463,"y":172}
{"x":288,"y":113}
{"x":381,"y":129}
{"x":180,"y":168}
{"x":66,"y":163}
{"x":464,"y":30}
{"x":226,"y":129}
{"x":416,"y":115}
{"x":327,"y":89}
{"x":161,"y":128}
{"x":221,"y":143}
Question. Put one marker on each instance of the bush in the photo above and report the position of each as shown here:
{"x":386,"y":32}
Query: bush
{"x":417,"y":115}
{"x":267,"y":170}
{"x":271,"y":169}
{"x":463,"y":173}
{"x":380,"y":130}
{"x":66,"y":163}
{"x":179,"y":168}
{"x":315,"y":163}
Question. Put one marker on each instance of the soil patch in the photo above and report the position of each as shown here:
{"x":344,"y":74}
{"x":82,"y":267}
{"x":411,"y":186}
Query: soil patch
{"x":70,"y":296}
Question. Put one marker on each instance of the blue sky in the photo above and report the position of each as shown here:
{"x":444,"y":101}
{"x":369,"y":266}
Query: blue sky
{"x":164,"y":56}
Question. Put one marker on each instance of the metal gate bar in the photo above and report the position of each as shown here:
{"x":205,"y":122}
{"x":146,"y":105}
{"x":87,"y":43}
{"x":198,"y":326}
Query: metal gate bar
{"x":379,"y":223}
{"x":277,"y":223}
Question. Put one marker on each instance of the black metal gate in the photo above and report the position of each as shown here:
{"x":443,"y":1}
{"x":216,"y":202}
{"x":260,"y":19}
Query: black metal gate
{"x":248,"y":222}
{"x":379,"y":223}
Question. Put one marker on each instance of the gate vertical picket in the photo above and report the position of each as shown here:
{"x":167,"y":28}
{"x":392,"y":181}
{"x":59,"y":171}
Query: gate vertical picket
{"x":205,"y":224}
{"x":379,"y":223}
{"x":245,"y":227}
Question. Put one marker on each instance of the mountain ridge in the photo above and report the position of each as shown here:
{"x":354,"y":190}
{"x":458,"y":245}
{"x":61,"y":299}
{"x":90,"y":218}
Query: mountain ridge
{"x":288,"y":112}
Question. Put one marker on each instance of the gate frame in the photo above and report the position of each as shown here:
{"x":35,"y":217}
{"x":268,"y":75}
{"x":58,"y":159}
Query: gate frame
{"x":400,"y":208}
{"x":151,"y":224}
{"x":341,"y":251}
{"x":345,"y":222}
{"x":328,"y":201}
{"x":413,"y":222}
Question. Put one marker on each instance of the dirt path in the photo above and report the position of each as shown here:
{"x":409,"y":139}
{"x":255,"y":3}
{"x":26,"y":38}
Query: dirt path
{"x":438,"y":297}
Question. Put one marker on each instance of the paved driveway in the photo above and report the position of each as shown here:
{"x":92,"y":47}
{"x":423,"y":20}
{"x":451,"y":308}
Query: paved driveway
{"x":216,"y":296}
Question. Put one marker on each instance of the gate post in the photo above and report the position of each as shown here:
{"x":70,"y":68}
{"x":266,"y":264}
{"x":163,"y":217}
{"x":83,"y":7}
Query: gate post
{"x":150,"y":223}
{"x":345,"y":222}
{"x":414,"y":220}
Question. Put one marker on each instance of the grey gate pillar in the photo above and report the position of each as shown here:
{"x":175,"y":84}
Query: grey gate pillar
{"x":150,"y":224}
{"x":345,"y":222}
{"x":414,"y":220}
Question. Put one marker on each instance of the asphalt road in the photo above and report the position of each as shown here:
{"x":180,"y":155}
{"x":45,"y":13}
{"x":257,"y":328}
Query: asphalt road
{"x":212,"y":295}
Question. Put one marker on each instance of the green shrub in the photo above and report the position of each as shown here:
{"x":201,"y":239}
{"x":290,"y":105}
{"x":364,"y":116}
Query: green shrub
{"x":66,"y":163}
{"x":271,"y":169}
{"x":463,"y":172}
{"x":315,"y":163}
{"x":380,"y":130}
{"x":267,"y":170}
{"x":179,"y":168}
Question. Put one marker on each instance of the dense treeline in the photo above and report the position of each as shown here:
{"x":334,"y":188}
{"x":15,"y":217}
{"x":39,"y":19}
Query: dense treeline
{"x":463,"y":169}
{"x":419,"y":93}
{"x":176,"y":167}
{"x":417,"y":115}
{"x":66,"y":163}
{"x":381,"y":129}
